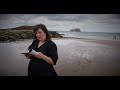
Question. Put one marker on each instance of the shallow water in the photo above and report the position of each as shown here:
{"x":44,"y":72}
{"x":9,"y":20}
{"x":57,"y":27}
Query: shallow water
{"x":91,"y":35}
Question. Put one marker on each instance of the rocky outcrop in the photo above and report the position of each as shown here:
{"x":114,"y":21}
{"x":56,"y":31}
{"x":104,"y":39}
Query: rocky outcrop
{"x":23,"y":28}
{"x":75,"y":30}
{"x":22,"y":32}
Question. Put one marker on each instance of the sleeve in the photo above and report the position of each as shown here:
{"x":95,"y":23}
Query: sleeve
{"x":31,"y":46}
{"x":52,"y":53}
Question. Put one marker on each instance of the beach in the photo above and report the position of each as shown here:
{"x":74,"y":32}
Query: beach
{"x":85,"y":57}
{"x":77,"y":57}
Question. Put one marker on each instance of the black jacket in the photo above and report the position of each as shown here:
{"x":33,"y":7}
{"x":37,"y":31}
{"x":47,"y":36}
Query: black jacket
{"x":39,"y":67}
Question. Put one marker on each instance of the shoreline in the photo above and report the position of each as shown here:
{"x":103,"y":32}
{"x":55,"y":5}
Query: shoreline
{"x":112,"y":41}
{"x":90,"y":39}
{"x":108,"y":42}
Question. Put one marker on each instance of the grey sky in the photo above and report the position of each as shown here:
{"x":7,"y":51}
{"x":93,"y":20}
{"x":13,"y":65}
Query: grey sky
{"x":65,"y":22}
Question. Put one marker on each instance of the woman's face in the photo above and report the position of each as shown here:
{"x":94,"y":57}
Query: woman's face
{"x":40,"y":34}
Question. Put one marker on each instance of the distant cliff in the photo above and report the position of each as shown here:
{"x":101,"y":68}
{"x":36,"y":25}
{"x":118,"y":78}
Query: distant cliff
{"x":75,"y":30}
{"x":23,"y":28}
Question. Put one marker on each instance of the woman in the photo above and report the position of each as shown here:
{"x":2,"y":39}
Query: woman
{"x":41,"y":63}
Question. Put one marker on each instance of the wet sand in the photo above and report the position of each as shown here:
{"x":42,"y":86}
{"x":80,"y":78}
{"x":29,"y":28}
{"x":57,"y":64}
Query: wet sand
{"x":85,"y":57}
{"x":77,"y":57}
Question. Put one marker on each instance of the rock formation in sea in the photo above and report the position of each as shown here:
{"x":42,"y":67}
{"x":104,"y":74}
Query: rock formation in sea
{"x":75,"y":30}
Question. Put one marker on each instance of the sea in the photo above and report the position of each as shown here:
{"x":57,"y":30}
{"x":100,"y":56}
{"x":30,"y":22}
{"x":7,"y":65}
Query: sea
{"x":91,"y":35}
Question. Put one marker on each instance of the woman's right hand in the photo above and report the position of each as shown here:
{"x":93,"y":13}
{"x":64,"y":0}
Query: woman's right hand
{"x":28,"y":56}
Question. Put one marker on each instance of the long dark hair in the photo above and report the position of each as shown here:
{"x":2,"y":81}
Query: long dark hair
{"x":43,"y":27}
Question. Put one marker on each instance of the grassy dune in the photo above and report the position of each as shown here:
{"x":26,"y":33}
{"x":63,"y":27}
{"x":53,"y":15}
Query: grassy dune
{"x":13,"y":35}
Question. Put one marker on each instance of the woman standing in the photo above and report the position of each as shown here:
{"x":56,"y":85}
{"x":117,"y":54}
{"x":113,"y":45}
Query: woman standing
{"x":45,"y":56}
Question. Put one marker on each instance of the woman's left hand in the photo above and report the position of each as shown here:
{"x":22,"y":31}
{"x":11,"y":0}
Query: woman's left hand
{"x":44,"y":57}
{"x":38,"y":55}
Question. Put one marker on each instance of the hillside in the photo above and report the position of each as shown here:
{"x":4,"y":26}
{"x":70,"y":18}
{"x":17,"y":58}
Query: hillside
{"x":23,"y":28}
{"x":21,"y":32}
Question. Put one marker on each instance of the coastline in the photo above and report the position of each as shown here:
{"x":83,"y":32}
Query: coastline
{"x":107,"y":42}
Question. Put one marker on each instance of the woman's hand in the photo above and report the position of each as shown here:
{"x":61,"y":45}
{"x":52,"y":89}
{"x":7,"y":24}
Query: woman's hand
{"x":28,"y":56}
{"x":38,"y":55}
{"x":44,"y":57}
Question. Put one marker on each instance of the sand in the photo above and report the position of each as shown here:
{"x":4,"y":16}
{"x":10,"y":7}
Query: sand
{"x":85,"y":57}
{"x":77,"y":57}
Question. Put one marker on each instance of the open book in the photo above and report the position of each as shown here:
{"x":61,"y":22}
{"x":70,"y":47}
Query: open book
{"x":26,"y":53}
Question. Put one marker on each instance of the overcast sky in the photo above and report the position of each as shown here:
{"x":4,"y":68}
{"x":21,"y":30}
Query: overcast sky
{"x":64,"y":22}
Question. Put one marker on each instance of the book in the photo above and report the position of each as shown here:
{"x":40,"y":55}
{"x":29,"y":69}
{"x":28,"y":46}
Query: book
{"x":33,"y":52}
{"x":26,"y":53}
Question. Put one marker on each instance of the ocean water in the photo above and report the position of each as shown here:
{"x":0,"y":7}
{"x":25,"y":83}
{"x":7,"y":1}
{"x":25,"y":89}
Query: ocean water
{"x":91,"y":35}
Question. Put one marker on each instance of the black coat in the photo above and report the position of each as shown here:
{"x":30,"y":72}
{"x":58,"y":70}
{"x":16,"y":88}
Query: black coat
{"x":39,"y":67}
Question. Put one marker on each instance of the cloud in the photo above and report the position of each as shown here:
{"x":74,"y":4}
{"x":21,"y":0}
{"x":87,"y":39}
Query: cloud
{"x":67,"y":17}
{"x":65,"y":22}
